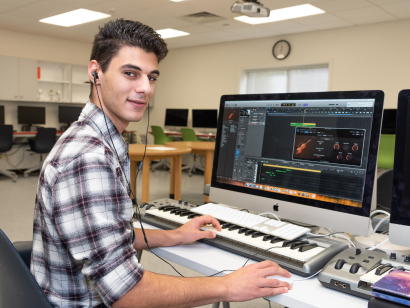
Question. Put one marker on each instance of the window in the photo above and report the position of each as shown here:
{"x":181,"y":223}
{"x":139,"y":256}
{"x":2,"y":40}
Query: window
{"x":302,"y":79}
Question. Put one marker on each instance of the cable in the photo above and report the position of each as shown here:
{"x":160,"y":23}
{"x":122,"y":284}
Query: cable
{"x":244,"y":210}
{"x":311,"y":235}
{"x":380,"y":222}
{"x":308,"y":277}
{"x":341,"y":235}
{"x":379,"y":211}
{"x":22,"y":159}
{"x":268,"y":213}
{"x":378,"y":245}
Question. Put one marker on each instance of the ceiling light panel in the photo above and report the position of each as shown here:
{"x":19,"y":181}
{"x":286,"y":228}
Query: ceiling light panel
{"x":74,"y":18}
{"x":283,"y":14}
{"x":168,"y":33}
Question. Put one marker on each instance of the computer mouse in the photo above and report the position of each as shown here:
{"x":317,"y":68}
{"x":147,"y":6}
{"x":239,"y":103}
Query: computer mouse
{"x":281,"y":278}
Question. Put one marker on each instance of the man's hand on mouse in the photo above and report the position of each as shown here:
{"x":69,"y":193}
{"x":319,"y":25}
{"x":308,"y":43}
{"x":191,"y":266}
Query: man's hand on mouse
{"x":250,"y":282}
{"x":190,"y":231}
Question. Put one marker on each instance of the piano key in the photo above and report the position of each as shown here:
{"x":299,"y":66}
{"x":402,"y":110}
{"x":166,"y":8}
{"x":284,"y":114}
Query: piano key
{"x":297,"y":245}
{"x":234,"y":227}
{"x":268,"y":237}
{"x":307,"y":247}
{"x":257,"y":234}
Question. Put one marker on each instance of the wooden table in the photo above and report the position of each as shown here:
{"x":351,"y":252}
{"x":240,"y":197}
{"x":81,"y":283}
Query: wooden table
{"x":206,"y":149}
{"x":136,"y":152}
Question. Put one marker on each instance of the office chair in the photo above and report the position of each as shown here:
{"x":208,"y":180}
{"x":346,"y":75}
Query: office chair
{"x":6,"y":142}
{"x":18,"y":288}
{"x":160,"y":138}
{"x":385,"y":158}
{"x":188,"y":134}
{"x":41,"y":144}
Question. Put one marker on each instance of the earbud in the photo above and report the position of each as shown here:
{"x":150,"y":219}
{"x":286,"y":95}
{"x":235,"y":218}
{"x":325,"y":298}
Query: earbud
{"x":95,"y":74}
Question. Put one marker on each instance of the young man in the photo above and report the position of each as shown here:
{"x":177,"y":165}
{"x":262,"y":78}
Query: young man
{"x":84,"y":246}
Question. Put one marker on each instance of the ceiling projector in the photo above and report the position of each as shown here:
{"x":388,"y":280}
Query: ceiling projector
{"x":251,"y":8}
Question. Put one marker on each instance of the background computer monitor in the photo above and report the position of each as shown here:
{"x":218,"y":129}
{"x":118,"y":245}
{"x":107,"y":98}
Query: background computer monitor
{"x":308,"y":157}
{"x":68,"y":114}
{"x":389,"y":121}
{"x":31,"y":115}
{"x":176,"y":117}
{"x":205,"y":118}
{"x":399,"y":229}
{"x":2,"y":120}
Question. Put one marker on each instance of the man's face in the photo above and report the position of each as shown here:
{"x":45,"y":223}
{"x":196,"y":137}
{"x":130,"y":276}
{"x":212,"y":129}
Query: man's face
{"x":128,"y":85}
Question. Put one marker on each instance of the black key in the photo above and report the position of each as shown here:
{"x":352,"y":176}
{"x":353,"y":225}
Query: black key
{"x":174,"y":210}
{"x":267,"y":238}
{"x":307,"y":247}
{"x":366,"y":261}
{"x":178,"y":212}
{"x":276,"y":240}
{"x":226,"y":225}
{"x":242,"y":230}
{"x":289,"y":243}
{"x":165,"y":207}
{"x":297,"y":245}
{"x":382,"y":269}
{"x":234,"y":227}
{"x":249,"y":232}
{"x":170,"y":208}
{"x":185,"y":213}
{"x":258,"y":234}
{"x":190,"y":216}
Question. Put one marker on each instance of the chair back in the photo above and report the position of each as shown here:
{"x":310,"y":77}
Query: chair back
{"x":18,"y":288}
{"x":159,"y":135}
{"x":384,"y":190}
{"x":6,"y":138}
{"x":44,"y":141}
{"x":188,"y":134}
{"x":386,"y":151}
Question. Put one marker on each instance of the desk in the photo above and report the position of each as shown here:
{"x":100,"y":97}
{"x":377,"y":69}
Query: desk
{"x":31,"y":134}
{"x":206,"y":149}
{"x":209,"y":260}
{"x":178,"y":134}
{"x":136,"y":152}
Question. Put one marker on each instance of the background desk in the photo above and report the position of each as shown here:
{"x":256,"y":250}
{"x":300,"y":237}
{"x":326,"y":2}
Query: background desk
{"x":31,"y":134}
{"x":136,"y":152}
{"x":209,"y":260}
{"x":207,"y":149}
{"x":178,"y":134}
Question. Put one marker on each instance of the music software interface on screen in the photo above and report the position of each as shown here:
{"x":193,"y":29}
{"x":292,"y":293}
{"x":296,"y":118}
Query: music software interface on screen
{"x":313,"y":149}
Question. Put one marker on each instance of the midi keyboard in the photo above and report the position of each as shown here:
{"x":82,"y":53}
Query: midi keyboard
{"x":304,"y":256}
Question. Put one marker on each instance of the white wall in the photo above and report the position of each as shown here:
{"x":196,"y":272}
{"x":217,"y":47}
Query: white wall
{"x":363,"y":57}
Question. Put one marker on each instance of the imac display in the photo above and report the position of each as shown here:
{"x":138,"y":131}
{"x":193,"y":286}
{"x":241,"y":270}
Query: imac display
{"x":2,"y":121}
{"x":31,"y":115}
{"x":400,"y":207}
{"x":176,"y":117}
{"x":309,"y":156}
{"x":205,"y":118}
{"x":68,"y":114}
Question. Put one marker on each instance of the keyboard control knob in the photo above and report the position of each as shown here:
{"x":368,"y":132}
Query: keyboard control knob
{"x":407,"y":259}
{"x":393,"y":256}
{"x":358,"y":251}
{"x":180,"y":201}
{"x":186,"y":203}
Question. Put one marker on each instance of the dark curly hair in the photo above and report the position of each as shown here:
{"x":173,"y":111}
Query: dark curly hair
{"x":118,"y":33}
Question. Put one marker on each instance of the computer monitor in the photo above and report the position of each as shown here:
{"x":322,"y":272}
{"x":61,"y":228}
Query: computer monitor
{"x":31,"y":115}
{"x":308,"y":157}
{"x":68,"y":114}
{"x":389,"y":121}
{"x":2,"y":120}
{"x":176,"y":117}
{"x":205,"y":118}
{"x":399,"y":229}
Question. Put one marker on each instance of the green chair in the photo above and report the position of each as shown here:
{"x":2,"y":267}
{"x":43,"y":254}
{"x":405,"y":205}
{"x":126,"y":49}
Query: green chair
{"x":188,"y":134}
{"x":160,"y":138}
{"x":385,"y":159}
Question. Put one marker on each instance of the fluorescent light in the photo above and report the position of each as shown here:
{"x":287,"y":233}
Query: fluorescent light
{"x":177,"y":0}
{"x":75,"y":17}
{"x":283,"y":14}
{"x":168,"y":33}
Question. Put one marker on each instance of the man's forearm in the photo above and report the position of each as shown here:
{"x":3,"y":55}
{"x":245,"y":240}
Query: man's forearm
{"x":155,"y":290}
{"x":156,"y":238}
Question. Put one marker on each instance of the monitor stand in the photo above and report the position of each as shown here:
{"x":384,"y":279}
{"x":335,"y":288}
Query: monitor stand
{"x":26,"y":128}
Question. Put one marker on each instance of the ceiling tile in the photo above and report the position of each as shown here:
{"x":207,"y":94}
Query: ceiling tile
{"x":143,"y":4}
{"x":295,"y":30}
{"x":249,"y":30}
{"x":173,"y":23}
{"x":362,"y":13}
{"x":110,"y":7}
{"x":225,"y":24}
{"x":195,"y":29}
{"x":7,"y":21}
{"x":172,"y":10}
{"x":318,"y":19}
{"x":18,"y":3}
{"x":279,"y":25}
{"x":217,"y":34}
{"x":41,"y":9}
{"x":342,"y":5}
{"x":381,"y":2}
{"x":280,"y":4}
{"x":332,"y":25}
{"x":4,"y":7}
{"x":397,"y":8}
{"x":79,"y":3}
{"x":372,"y":20}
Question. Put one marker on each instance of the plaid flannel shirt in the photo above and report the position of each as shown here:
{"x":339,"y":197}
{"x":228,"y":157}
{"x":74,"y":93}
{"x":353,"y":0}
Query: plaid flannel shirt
{"x":83,"y":251}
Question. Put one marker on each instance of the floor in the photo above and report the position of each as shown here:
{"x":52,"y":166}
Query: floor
{"x":17,"y":205}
